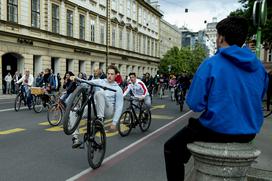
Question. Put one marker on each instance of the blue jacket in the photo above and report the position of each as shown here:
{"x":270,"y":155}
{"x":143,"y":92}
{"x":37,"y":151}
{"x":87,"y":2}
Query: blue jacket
{"x":228,"y":88}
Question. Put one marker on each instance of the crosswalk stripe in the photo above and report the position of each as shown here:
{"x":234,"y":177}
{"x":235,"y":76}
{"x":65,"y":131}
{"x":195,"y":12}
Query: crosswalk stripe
{"x":10,"y":131}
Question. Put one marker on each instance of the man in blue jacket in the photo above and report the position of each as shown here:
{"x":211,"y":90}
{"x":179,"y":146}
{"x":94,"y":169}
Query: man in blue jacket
{"x":228,"y":89}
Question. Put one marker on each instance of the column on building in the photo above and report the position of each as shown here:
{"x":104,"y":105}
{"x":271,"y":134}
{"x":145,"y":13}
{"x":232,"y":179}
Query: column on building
{"x":46,"y":62}
{"x":62,"y":67}
{"x":75,"y":67}
{"x":37,"y":64}
{"x":28,"y":62}
{"x":88,"y":68}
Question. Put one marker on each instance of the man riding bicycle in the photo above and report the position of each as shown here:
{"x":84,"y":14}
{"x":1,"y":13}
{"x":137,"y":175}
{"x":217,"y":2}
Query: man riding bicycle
{"x":27,"y":81}
{"x":138,"y":89}
{"x":108,"y":104}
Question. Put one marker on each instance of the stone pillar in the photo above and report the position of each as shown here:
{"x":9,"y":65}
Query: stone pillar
{"x":46,"y":62}
{"x":62,"y":67}
{"x":222,"y":161}
{"x":76,"y":67}
{"x":88,"y":68}
{"x":28,"y":62}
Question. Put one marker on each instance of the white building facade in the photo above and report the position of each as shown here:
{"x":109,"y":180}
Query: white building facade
{"x":78,"y":35}
{"x":170,"y":36}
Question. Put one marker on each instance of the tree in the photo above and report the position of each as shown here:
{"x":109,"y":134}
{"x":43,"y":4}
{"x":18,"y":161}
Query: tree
{"x":182,"y":60}
{"x":247,"y":13}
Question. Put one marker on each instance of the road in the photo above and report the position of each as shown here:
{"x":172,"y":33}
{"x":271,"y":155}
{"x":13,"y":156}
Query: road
{"x":31,"y":150}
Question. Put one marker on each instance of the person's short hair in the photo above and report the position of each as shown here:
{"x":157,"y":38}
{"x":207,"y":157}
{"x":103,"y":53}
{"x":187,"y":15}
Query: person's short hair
{"x":234,"y":29}
{"x":114,"y":68}
{"x":132,"y":73}
{"x":48,"y":70}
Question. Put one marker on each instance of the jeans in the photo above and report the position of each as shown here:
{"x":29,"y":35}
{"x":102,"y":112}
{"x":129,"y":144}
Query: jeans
{"x":103,"y":109}
{"x":26,"y":90}
{"x":176,"y":153}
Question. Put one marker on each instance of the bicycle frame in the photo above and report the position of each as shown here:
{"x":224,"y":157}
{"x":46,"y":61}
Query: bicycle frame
{"x":132,"y":107}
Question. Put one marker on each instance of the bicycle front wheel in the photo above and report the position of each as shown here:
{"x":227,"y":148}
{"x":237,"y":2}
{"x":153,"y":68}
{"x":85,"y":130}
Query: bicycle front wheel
{"x":74,"y":110}
{"x":18,"y":102}
{"x":124,"y":124}
{"x":38,"y":104}
{"x":54,"y":115}
{"x":145,"y":120}
{"x":96,"y":146}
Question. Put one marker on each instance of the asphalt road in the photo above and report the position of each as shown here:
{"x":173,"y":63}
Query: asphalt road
{"x":30,"y":149}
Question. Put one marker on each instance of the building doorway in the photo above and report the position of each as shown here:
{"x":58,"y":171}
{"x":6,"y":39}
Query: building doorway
{"x":11,"y":62}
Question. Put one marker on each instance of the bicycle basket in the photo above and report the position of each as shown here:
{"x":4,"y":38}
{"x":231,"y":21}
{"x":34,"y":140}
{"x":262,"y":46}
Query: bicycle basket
{"x":37,"y":90}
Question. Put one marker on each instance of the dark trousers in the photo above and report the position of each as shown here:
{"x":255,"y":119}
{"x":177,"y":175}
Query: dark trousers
{"x":268,"y":99}
{"x":176,"y":153}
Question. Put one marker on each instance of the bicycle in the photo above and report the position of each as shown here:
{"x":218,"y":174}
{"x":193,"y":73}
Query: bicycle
{"x":129,"y":118}
{"x":179,"y":96}
{"x":95,"y":137}
{"x":55,"y":113}
{"x":21,"y":97}
{"x":43,"y":100}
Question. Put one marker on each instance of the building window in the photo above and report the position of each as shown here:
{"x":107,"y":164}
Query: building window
{"x":102,"y":33}
{"x":121,"y":6}
{"x":148,"y":46}
{"x":156,"y":49}
{"x":35,"y":13}
{"x":128,"y":40}
{"x":133,"y":42}
{"x":139,"y":43}
{"x":69,"y":23}
{"x":140,"y":15}
{"x":81,"y":26}
{"x":55,"y":18}
{"x":92,"y":30}
{"x":152,"y":48}
{"x":128,"y":8}
{"x":113,"y":36}
{"x":134,"y":10}
{"x":121,"y":38}
{"x":144,"y":44}
{"x":114,"y":5}
{"x":13,"y":11}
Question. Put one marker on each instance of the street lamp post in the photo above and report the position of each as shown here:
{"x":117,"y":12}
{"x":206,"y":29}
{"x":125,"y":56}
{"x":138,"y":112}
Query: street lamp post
{"x":259,"y":20}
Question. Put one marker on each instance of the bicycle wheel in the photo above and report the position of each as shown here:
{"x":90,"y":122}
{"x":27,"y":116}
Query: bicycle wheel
{"x":124,"y":124}
{"x":54,"y":115}
{"x":38,"y":104}
{"x":145,"y":120}
{"x":72,"y":114}
{"x":96,"y":146}
{"x":18,"y":102}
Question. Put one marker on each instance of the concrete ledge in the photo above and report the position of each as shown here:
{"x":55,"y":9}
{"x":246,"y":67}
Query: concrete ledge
{"x":222,"y":161}
{"x":255,"y":174}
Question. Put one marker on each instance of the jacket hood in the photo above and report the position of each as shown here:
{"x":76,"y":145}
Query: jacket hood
{"x":243,"y":58}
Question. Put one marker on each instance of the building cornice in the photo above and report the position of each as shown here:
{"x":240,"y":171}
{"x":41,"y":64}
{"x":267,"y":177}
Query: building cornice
{"x":149,"y":7}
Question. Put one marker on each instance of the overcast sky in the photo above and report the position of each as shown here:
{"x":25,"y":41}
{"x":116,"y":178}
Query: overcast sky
{"x":198,"y":11}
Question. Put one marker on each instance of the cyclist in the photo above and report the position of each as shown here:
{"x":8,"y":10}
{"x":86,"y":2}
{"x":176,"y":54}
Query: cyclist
{"x":138,"y":89}
{"x":69,"y":86}
{"x":27,"y":81}
{"x":109,"y":104}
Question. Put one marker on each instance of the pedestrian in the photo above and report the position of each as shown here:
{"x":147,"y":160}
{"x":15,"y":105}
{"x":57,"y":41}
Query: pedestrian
{"x":8,"y":79}
{"x":228,"y":89}
{"x":15,"y":78}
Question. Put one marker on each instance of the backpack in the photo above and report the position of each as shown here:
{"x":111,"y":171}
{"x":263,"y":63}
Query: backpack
{"x":54,"y":82}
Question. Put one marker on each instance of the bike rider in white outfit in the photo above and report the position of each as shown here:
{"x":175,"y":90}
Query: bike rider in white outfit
{"x":138,"y":89}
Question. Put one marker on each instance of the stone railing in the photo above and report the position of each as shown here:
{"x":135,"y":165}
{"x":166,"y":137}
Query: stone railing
{"x":221,"y":161}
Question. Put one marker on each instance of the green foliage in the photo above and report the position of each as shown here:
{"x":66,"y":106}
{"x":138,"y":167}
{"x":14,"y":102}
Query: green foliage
{"x":182,"y":60}
{"x":247,"y":12}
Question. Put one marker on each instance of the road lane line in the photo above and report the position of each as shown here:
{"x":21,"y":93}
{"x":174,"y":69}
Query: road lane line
{"x":10,"y":131}
{"x":12,"y":109}
{"x":122,"y":151}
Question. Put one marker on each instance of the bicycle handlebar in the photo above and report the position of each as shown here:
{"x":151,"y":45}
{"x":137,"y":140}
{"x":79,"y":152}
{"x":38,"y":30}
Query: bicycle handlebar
{"x":92,"y":84}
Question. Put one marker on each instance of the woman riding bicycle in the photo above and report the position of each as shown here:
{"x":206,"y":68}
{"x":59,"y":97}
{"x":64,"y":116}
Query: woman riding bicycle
{"x":27,"y":81}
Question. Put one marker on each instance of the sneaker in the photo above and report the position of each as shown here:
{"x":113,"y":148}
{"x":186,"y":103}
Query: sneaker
{"x":76,"y":142}
{"x":112,"y":129}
